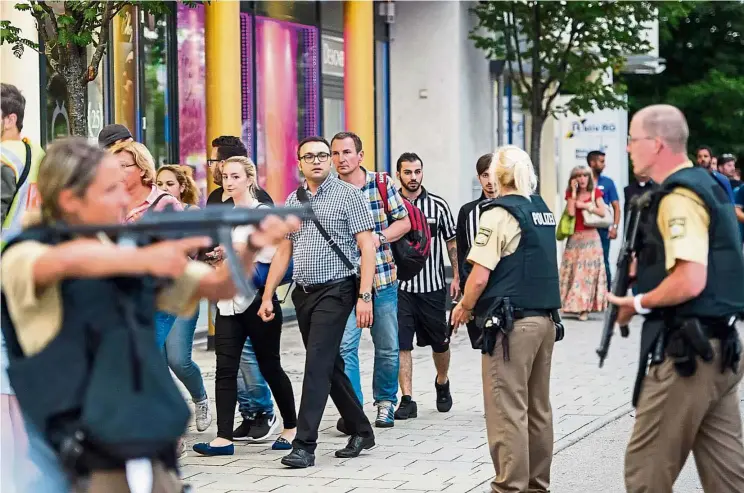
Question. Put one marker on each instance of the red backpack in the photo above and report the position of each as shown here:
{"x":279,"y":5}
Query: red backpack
{"x":411,"y":251}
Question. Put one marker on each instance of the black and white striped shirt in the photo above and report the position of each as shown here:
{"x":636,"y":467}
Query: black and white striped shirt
{"x":442,"y":225}
{"x":467,"y":225}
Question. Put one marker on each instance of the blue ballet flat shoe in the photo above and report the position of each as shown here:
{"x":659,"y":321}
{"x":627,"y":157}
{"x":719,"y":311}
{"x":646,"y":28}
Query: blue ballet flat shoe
{"x":207,"y":449}
{"x":281,"y":444}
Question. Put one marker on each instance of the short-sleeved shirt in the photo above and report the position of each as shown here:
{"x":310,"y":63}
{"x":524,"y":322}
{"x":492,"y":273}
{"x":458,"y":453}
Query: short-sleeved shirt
{"x":239,"y":303}
{"x":683,"y":221}
{"x":385,"y":273}
{"x":443,"y":229}
{"x":37,"y":315}
{"x":343,"y":210}
{"x":139,"y":211}
{"x":580,"y":226}
{"x":609,"y":192}
{"x":498,"y":236}
{"x":739,"y":203}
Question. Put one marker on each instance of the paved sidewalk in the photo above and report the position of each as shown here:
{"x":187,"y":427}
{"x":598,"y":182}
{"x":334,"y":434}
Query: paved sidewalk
{"x":436,"y":451}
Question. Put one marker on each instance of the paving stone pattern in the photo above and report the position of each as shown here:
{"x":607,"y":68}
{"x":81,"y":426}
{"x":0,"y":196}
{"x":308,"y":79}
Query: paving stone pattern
{"x":436,"y":452}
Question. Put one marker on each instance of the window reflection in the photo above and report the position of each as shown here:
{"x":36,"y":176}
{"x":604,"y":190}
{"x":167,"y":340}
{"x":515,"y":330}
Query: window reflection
{"x":155,"y":91}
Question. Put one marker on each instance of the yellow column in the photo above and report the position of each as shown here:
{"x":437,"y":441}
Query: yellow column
{"x":222,"y":42}
{"x":359,"y":74}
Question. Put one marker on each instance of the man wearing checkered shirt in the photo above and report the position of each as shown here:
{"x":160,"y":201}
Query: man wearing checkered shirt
{"x":326,"y":293}
{"x":347,"y":156}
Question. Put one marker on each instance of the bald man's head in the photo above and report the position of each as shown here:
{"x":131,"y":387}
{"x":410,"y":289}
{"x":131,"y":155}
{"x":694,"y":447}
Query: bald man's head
{"x":667,"y":123}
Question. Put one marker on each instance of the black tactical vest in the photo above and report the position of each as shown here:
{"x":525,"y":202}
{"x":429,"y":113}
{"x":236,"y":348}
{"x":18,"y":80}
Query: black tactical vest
{"x":102,"y":377}
{"x":724,"y":291}
{"x":529,"y":276}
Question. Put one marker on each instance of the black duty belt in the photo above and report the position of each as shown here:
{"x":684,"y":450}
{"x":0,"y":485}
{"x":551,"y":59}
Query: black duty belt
{"x":310,"y":288}
{"x":519,"y":314}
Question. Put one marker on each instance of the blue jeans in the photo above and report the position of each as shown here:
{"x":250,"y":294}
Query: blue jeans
{"x":50,"y":477}
{"x":385,"y":338}
{"x":604,"y":237}
{"x":178,"y":346}
{"x":254,"y":395}
{"x":163,"y":323}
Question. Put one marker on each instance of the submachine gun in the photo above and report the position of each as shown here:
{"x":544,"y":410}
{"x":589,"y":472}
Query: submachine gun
{"x":622,"y":277}
{"x":216,"y":222}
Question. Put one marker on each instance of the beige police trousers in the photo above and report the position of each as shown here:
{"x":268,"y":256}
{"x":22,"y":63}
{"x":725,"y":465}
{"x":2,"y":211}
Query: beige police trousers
{"x":519,"y":419}
{"x":115,"y":481}
{"x":677,"y":415}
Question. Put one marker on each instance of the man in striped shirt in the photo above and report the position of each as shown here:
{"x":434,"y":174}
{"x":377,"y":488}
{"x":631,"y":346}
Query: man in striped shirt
{"x":468,"y":220}
{"x":421,"y":301}
{"x":469,"y":215}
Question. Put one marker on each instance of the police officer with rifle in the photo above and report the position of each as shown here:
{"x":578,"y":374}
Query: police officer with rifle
{"x":690,"y":280}
{"x":78,"y":318}
{"x":512,"y":292}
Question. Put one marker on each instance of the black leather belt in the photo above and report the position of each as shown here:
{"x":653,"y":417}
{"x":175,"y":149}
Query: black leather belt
{"x":519,"y":314}
{"x":309,"y":288}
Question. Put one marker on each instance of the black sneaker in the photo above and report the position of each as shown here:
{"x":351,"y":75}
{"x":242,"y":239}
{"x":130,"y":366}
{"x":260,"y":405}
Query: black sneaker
{"x":406,"y":409}
{"x":444,"y":398}
{"x":263,"y":427}
{"x":240,"y":434}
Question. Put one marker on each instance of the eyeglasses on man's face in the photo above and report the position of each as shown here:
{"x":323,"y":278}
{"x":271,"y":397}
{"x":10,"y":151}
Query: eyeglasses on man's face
{"x":322,"y":157}
{"x":632,"y":139}
{"x":212,"y":162}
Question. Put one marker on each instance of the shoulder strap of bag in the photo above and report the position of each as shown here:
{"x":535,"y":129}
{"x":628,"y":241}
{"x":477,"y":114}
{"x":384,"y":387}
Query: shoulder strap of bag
{"x":302,"y":197}
{"x":382,"y":187}
{"x":24,"y":174}
{"x":155,"y":202}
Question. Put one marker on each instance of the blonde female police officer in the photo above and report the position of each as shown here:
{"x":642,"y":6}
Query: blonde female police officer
{"x":513,"y":292}
{"x":66,"y":300}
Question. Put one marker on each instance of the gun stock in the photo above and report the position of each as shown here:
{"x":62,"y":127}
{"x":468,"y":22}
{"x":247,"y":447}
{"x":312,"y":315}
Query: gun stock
{"x":622,"y":278}
{"x":217,"y":222}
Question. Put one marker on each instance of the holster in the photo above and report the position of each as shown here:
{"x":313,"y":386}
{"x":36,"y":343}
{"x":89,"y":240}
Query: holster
{"x":560,"y":331}
{"x":498,"y":319}
{"x":687,"y":341}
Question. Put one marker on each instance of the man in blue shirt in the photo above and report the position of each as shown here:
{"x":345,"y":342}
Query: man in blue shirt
{"x":596,"y":161}
{"x":739,"y":203}
{"x":703,"y":157}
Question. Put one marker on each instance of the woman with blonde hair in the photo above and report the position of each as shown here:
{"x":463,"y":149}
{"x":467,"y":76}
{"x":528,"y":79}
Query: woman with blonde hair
{"x":583,"y":276}
{"x":238,"y":320}
{"x":515,"y":277}
{"x":139,"y":179}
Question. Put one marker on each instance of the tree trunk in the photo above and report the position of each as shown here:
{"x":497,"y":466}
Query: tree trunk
{"x":535,"y":138}
{"x":74,"y":76}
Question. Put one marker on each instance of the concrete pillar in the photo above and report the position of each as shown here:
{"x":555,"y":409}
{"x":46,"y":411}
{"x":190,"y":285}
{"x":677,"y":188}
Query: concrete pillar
{"x":223,"y":107}
{"x":359,"y":74}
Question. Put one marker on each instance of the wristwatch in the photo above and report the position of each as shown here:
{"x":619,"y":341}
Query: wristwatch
{"x":365,"y":297}
{"x":382,"y":237}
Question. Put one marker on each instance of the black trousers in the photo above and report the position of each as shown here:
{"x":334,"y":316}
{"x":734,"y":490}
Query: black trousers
{"x":230,"y":333}
{"x":322,"y":316}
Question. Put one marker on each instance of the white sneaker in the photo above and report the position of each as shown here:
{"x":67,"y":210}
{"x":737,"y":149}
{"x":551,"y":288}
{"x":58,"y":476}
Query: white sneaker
{"x":203,"y":414}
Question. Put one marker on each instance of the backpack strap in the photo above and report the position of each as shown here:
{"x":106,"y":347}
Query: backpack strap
{"x":24,"y":174}
{"x":302,"y":197}
{"x":381,"y":182}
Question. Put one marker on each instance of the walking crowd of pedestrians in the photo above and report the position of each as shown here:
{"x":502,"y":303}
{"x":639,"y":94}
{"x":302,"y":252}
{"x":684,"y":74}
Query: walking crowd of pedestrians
{"x":372,"y":257}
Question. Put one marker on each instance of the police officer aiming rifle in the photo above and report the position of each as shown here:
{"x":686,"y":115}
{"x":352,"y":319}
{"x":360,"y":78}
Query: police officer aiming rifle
{"x":512,"y":291}
{"x":690,"y":279}
{"x":78,"y":316}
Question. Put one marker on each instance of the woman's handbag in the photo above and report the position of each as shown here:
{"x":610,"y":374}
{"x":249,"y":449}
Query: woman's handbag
{"x":594,"y":220}
{"x":566,"y":226}
{"x":261,"y":273}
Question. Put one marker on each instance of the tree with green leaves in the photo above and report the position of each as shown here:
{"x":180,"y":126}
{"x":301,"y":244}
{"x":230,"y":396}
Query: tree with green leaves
{"x":554,"y":48}
{"x":704,"y":75}
{"x":65,"y":30}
